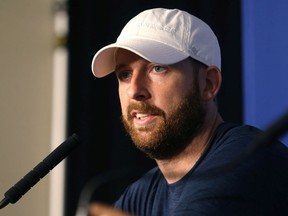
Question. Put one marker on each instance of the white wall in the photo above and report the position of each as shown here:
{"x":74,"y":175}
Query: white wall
{"x":26,"y":64}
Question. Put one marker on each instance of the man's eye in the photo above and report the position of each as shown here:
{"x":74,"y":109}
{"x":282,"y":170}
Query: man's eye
{"x":159,"y":68}
{"x":123,"y":75}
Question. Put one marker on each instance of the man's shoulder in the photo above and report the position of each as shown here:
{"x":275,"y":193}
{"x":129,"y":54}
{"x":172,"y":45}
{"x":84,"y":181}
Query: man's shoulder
{"x":246,"y":135}
{"x":234,"y":142}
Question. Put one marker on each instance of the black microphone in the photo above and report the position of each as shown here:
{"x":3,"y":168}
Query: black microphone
{"x":39,"y":171}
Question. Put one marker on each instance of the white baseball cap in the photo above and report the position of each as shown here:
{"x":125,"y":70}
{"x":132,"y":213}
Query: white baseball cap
{"x":162,"y":36}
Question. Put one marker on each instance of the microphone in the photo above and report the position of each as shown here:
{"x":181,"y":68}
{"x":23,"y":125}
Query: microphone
{"x":30,"y":179}
{"x":273,"y":132}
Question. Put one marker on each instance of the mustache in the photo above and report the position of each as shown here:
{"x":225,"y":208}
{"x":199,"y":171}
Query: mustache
{"x":145,"y":108}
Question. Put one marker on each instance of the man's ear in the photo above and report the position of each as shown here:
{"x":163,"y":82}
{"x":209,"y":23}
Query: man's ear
{"x":213,"y":80}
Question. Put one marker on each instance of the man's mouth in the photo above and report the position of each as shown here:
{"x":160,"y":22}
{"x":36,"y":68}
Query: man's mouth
{"x":142,"y":119}
{"x":141,"y":115}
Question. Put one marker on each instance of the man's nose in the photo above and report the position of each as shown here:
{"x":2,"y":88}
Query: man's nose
{"x":138,"y":88}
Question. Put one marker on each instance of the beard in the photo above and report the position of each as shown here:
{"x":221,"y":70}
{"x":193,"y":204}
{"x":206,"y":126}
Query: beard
{"x":174,"y":132}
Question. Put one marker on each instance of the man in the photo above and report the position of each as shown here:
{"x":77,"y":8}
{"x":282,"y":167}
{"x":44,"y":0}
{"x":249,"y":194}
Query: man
{"x":168,"y":64}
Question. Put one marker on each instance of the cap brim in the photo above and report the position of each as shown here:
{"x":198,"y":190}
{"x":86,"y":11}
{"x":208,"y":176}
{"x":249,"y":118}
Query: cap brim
{"x":103,"y":62}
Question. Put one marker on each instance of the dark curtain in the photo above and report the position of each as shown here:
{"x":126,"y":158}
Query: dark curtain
{"x":93,"y":104}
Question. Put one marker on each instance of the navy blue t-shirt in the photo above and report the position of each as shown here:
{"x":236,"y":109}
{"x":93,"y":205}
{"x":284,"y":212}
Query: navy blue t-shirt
{"x":258,"y":185}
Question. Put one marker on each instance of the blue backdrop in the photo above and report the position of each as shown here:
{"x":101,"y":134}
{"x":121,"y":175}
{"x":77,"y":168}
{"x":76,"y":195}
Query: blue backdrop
{"x":265,"y":62}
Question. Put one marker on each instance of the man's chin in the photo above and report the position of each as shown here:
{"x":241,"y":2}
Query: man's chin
{"x":142,"y":136}
{"x":143,"y":139}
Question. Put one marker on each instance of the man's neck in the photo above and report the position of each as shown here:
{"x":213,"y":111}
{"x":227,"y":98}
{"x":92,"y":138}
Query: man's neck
{"x":177,"y":167}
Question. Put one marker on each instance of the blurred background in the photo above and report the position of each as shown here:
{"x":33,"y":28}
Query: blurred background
{"x":48,"y":92}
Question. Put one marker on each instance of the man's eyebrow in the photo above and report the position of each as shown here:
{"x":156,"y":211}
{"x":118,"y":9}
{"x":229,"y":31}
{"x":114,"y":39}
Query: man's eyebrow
{"x":119,"y":66}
